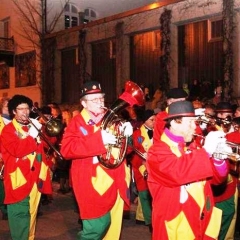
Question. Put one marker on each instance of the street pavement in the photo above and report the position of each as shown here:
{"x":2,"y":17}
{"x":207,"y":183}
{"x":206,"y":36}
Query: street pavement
{"x":59,"y":221}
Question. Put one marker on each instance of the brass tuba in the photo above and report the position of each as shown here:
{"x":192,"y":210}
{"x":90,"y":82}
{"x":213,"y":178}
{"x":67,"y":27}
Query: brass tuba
{"x":114,"y":156}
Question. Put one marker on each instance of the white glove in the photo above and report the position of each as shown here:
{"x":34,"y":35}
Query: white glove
{"x":108,"y":138}
{"x":200,"y":111}
{"x":33,"y":132}
{"x":36,"y":123}
{"x":127,"y":129}
{"x":212,"y":140}
{"x":222,"y":151}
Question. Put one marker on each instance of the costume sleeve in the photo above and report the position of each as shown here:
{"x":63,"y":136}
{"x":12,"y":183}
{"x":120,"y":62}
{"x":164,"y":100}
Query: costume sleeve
{"x":80,"y":140}
{"x":159,"y":126}
{"x":166,"y":168}
{"x":18,"y":147}
{"x":220,"y":171}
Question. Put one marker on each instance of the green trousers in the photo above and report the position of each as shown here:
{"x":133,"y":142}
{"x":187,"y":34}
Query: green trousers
{"x":146,"y":202}
{"x":95,"y":228}
{"x":3,"y":207}
{"x":228,"y":210}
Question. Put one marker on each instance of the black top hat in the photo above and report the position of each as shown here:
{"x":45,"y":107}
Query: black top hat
{"x":90,"y":87}
{"x":147,"y":114}
{"x":180,"y":109}
{"x":177,"y":93}
{"x":224,"y":107}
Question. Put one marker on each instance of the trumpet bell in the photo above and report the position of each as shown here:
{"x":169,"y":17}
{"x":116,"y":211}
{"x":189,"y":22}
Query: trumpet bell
{"x":53,"y":127}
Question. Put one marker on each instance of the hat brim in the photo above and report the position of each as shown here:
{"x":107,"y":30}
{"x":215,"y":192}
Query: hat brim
{"x":91,"y":92}
{"x":224,"y":110}
{"x":180,"y":115}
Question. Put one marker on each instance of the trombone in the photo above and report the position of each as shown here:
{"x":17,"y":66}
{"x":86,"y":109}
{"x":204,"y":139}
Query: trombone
{"x":140,"y":154}
{"x":53,"y":127}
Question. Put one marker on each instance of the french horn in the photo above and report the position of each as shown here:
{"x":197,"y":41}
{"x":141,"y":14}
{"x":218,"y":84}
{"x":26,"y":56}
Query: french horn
{"x":112,"y":122}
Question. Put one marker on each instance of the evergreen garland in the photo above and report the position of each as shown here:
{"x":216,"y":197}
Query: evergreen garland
{"x":228,"y":30}
{"x":165,"y":29}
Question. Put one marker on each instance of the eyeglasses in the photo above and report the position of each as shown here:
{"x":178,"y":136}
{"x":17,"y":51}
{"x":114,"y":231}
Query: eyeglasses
{"x":22,"y":109}
{"x":96,"y":100}
{"x":151,"y":119}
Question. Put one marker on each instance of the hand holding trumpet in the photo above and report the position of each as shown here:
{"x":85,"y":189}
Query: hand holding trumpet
{"x":212,"y":140}
{"x":217,"y":146}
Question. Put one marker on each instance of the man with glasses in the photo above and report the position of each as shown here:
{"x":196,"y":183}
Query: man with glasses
{"x":100,"y":192}
{"x":26,"y":173}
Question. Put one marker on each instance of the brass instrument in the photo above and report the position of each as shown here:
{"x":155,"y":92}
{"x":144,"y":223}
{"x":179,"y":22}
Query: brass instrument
{"x":140,"y":154}
{"x":208,"y":120}
{"x":234,"y":156}
{"x":46,"y":139}
{"x":1,"y":172}
{"x":111,"y":122}
{"x":53,"y":127}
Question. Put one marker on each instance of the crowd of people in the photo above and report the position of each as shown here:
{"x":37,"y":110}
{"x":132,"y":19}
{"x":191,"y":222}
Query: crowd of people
{"x":180,"y":156}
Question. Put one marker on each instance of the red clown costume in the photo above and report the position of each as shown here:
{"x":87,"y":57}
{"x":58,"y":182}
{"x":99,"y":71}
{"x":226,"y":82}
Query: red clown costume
{"x":26,"y":172}
{"x":100,"y":191}
{"x":93,"y":184}
{"x":180,"y":181}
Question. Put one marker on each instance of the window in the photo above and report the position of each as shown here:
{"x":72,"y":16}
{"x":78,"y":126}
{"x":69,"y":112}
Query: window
{"x":89,"y":15}
{"x":215,"y":29}
{"x":25,"y":69}
{"x":4,"y":76}
{"x":71,"y":15}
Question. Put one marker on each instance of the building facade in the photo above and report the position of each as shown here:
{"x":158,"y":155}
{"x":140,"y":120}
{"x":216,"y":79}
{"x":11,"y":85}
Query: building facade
{"x":168,"y":42}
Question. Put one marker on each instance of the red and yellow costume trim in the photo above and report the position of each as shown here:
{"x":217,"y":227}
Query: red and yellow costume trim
{"x":96,"y":188}
{"x":180,"y":184}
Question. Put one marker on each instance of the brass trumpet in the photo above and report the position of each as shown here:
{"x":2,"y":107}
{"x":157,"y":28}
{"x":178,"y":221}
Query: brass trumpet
{"x":208,"y":120}
{"x":234,"y":156}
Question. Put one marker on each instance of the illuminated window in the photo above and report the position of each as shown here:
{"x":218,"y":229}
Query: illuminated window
{"x":25,"y":69}
{"x":4,"y":76}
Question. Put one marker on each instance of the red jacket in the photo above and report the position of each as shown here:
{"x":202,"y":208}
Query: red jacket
{"x":180,"y":184}
{"x":19,"y":174}
{"x":159,"y":125}
{"x":142,"y":143}
{"x":95,"y":186}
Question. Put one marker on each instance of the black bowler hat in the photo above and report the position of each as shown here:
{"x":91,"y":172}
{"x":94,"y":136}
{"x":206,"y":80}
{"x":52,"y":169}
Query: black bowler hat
{"x":147,"y":114}
{"x":176,"y":93}
{"x":180,"y":109}
{"x":90,"y":87}
{"x":224,"y":107}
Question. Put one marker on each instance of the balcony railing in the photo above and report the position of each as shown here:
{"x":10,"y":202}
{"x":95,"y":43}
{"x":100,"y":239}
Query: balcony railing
{"x":6,"y":44}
